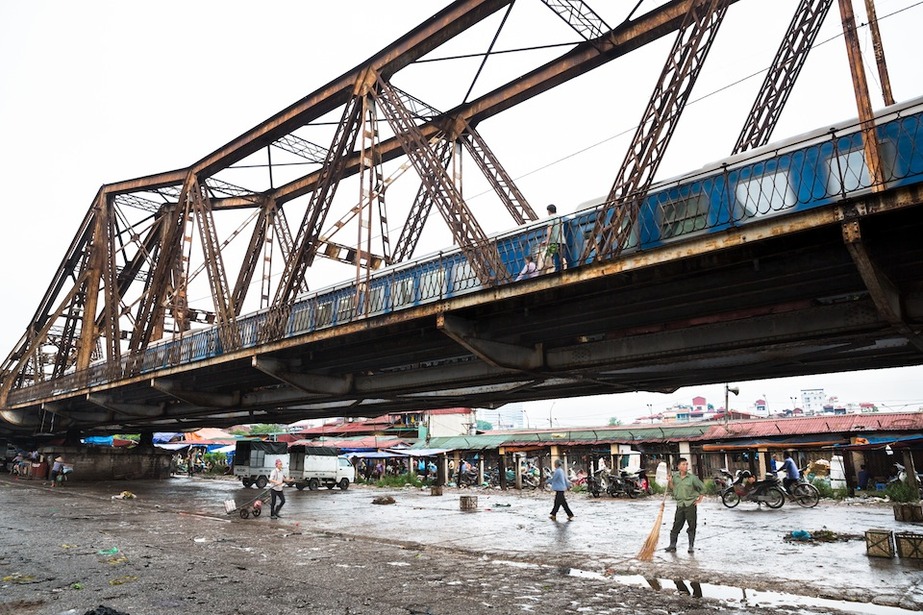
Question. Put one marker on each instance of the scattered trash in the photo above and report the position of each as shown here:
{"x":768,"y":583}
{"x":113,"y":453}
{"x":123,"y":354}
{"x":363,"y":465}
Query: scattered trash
{"x":76,"y":585}
{"x":104,"y":610}
{"x":818,"y":536}
{"x":501,"y":505}
{"x":69,"y":612}
{"x":200,"y":539}
{"x":18,"y":577}
{"x":123,"y":580}
{"x":383,"y":499}
{"x":111,"y":551}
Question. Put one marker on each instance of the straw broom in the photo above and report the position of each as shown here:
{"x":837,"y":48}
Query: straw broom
{"x":646,"y":553}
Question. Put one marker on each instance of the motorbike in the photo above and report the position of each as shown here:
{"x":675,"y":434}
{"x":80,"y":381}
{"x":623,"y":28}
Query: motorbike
{"x":900,"y":476}
{"x":621,"y":484}
{"x":637,"y":483}
{"x":596,"y":483}
{"x":745,"y":488}
{"x":467,"y":479}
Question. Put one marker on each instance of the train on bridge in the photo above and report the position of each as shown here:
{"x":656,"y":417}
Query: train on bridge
{"x":813,"y":170}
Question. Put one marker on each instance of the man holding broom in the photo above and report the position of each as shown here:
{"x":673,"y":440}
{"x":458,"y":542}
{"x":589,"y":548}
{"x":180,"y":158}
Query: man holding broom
{"x":688,"y":491}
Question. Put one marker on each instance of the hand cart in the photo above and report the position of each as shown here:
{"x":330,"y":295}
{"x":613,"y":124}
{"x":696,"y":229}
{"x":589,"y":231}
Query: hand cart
{"x":253,"y":506}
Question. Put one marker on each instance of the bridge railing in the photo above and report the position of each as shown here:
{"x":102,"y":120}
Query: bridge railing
{"x":817,"y":169}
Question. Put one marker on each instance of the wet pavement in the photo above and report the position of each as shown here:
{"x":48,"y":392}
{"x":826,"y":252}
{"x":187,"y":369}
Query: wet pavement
{"x":178,"y":550}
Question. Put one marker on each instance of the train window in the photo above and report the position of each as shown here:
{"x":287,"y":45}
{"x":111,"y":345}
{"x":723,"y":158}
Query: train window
{"x":376,"y":299}
{"x":324,"y":314}
{"x":683,"y":216}
{"x":849,"y":172}
{"x":402,"y":292}
{"x":345,"y":306}
{"x":764,"y":195}
{"x":463,"y":276}
{"x":432,"y":284}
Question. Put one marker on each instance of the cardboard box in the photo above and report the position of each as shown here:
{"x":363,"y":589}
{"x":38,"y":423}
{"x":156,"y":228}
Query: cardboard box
{"x":909,"y":545}
{"x":879,"y":543}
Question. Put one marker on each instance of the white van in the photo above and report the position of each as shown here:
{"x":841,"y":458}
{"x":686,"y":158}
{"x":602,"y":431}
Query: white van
{"x":255,"y":459}
{"x":313,"y":466}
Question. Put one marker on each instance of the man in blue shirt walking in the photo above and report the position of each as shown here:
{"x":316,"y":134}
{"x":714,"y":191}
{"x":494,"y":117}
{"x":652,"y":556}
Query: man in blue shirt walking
{"x":560,"y":484}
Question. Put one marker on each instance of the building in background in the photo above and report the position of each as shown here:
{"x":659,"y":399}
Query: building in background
{"x":509,"y":416}
{"x":812,"y":401}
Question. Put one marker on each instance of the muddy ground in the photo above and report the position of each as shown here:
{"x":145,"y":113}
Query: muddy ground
{"x":172,"y":549}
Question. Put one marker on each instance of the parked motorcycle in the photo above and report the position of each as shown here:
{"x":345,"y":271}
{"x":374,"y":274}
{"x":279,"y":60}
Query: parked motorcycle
{"x":595,"y":483}
{"x":637,"y":484}
{"x":621,"y":484}
{"x":745,"y":488}
{"x":900,"y":476}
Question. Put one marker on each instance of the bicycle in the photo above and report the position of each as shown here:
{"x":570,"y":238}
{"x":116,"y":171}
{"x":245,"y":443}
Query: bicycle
{"x":803,"y":493}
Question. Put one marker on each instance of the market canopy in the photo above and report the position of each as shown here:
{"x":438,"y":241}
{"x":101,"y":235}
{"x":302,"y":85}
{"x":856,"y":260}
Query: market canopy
{"x":419,"y":452}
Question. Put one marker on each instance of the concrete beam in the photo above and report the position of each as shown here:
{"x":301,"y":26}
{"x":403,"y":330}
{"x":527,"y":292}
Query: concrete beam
{"x":309,"y":383}
{"x":497,"y":354}
{"x":196,"y":398}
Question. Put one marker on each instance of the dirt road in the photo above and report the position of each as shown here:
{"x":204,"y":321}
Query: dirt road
{"x":172,"y":549}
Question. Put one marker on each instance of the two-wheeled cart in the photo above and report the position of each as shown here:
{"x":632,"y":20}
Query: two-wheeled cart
{"x":253,"y":506}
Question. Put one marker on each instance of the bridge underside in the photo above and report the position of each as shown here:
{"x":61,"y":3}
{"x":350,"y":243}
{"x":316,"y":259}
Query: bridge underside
{"x":823,"y":291}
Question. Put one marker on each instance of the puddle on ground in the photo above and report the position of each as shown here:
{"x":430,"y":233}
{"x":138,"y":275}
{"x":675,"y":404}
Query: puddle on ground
{"x":740,"y":595}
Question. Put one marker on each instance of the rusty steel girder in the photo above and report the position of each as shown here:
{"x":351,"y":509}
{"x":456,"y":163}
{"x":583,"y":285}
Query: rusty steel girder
{"x":786,"y":66}
{"x":109,"y":258}
{"x":468,"y":235}
{"x":616,"y":217}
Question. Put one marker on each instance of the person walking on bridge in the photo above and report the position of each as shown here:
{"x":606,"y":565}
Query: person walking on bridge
{"x":688,"y":491}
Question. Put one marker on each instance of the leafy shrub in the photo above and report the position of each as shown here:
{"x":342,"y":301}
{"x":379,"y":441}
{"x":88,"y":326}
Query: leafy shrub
{"x":399,"y":480}
{"x":901,"y":492}
{"x":826,"y":491}
{"x":710,"y":487}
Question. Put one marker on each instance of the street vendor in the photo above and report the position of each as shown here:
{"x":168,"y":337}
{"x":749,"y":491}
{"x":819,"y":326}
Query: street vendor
{"x":57,"y":471}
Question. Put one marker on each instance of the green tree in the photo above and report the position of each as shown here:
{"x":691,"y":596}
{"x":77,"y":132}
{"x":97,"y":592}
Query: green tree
{"x":484,"y":426}
{"x":265,"y":429}
{"x":614,"y":421}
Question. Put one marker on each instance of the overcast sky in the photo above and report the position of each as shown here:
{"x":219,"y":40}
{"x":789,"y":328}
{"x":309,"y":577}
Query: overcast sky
{"x":97,"y":92}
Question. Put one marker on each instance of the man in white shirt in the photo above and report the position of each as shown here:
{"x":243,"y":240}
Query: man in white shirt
{"x":277,"y":482}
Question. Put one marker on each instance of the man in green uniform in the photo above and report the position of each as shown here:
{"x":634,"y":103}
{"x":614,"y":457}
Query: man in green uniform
{"x":688,"y":491}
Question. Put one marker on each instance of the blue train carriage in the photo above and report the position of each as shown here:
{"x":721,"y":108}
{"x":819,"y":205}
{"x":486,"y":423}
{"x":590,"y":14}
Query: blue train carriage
{"x":806,"y":171}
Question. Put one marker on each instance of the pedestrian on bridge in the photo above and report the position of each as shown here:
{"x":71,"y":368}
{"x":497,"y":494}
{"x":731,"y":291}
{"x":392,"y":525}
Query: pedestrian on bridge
{"x":554,"y":238}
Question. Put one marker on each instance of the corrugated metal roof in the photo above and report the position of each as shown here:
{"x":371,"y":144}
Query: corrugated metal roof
{"x":847,"y":423}
{"x":466,"y":443}
{"x":364,"y":443}
{"x":706,"y":431}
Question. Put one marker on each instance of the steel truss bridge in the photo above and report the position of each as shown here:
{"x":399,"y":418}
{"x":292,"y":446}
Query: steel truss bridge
{"x":755,"y":268}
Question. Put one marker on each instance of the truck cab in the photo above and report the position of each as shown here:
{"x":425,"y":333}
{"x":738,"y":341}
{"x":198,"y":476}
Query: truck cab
{"x":313,"y":466}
